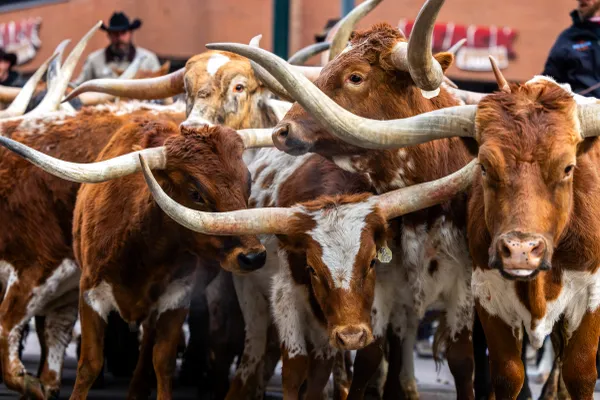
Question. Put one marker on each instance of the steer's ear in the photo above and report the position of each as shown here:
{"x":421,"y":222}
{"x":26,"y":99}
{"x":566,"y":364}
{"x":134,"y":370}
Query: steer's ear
{"x":471,"y":145}
{"x":445,"y":59}
{"x":587,"y":144}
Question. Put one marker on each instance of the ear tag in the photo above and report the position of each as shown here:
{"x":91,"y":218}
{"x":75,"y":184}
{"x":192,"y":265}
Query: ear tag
{"x":384,"y":254}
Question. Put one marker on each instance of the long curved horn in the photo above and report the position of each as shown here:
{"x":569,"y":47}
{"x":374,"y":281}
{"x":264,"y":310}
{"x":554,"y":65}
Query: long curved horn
{"x":346,"y":25}
{"x":457,"y":46}
{"x":89,"y":99}
{"x":243,"y":222}
{"x":8,"y":93}
{"x":255,"y":138}
{"x":502,"y":83}
{"x":271,"y":83}
{"x":589,"y":120}
{"x":417,"y":197}
{"x":54,"y":68}
{"x":424,"y":69}
{"x":19,"y":105}
{"x":100,"y":171}
{"x":143,"y":89}
{"x":266,"y":78}
{"x":279,"y":107}
{"x":466,"y":96}
{"x":304,"y":54}
{"x":51,"y":101}
{"x":362,"y":132}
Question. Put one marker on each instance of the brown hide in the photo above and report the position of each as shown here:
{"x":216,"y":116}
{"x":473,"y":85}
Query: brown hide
{"x":230,"y":95}
{"x":383,"y":93}
{"x":37,"y":206}
{"x":528,"y":139}
{"x":122,"y":237}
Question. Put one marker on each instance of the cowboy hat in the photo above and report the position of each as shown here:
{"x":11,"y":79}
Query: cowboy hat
{"x":120,"y":22}
{"x":10,"y":57}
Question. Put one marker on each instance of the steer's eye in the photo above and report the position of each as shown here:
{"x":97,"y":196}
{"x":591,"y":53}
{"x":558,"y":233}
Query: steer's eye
{"x":569,"y":171}
{"x":355,"y":79}
{"x":239,"y":88}
{"x":483,"y":171}
{"x":196,"y":197}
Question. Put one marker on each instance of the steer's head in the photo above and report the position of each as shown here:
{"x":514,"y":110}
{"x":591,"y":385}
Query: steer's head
{"x":205,"y":171}
{"x":332,"y":246}
{"x":529,"y":140}
{"x":366,"y":80}
{"x":221,"y":89}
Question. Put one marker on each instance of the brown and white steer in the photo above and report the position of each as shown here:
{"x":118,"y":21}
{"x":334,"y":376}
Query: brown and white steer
{"x":37,"y":265}
{"x":325,"y":296}
{"x":371,"y":78}
{"x":104,"y":120}
{"x":118,"y":232}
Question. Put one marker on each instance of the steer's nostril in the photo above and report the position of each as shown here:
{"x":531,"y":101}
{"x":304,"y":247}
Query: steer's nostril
{"x":252,"y":261}
{"x":282,"y":131}
{"x":505,"y":250}
{"x":537,"y":250}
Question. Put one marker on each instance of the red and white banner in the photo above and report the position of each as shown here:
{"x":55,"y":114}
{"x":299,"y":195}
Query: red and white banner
{"x":22,"y":38}
{"x":482,"y":41}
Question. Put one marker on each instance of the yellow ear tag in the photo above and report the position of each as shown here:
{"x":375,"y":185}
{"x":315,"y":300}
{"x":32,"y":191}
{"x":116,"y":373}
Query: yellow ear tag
{"x":384,"y":254}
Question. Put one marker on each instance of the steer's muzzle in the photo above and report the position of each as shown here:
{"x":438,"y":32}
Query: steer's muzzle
{"x":521,"y":255}
{"x":351,"y":337}
{"x":286,"y":137}
{"x":252,"y":261}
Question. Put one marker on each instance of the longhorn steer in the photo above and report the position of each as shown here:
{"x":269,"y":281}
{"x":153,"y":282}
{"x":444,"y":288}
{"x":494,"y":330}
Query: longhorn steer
{"x":372,"y":78}
{"x":37,"y":266}
{"x":325,"y":291}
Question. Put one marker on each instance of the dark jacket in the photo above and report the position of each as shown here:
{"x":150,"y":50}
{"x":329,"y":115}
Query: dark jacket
{"x":575,"y":57}
{"x":14,"y":79}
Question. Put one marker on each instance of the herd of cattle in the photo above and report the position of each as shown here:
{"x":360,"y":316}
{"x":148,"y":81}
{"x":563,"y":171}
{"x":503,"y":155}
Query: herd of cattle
{"x":388,"y":192}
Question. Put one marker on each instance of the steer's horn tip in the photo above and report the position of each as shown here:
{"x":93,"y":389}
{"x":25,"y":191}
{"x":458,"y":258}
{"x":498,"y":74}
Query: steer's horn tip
{"x":502,"y":83}
{"x":255,"y":41}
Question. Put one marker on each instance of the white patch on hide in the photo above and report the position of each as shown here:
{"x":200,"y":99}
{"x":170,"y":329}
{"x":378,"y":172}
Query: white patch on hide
{"x":63,"y":279}
{"x":215,"y":62}
{"x":338,"y":232}
{"x":101,"y":299}
{"x":177,"y":294}
{"x":8,"y":276}
{"x":580,"y":293}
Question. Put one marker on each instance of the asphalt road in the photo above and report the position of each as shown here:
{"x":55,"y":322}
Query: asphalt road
{"x":433,"y":385}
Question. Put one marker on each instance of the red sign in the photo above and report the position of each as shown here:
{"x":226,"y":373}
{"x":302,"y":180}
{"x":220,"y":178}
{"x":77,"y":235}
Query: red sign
{"x":481,"y":42}
{"x":22,"y":38}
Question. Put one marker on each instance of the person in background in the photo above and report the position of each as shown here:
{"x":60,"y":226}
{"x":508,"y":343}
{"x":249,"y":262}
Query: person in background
{"x":8,"y":76}
{"x":575,"y":57}
{"x":120,"y":53}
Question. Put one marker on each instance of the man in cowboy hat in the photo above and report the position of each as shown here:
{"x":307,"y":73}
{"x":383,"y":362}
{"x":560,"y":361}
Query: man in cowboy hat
{"x":120,"y":53}
{"x":8,"y":77}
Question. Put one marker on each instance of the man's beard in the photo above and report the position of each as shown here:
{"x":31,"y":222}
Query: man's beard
{"x":589,"y":12}
{"x":121,"y":50}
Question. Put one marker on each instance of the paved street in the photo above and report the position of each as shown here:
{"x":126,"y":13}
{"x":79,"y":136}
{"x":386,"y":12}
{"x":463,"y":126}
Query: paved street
{"x":432,"y":385}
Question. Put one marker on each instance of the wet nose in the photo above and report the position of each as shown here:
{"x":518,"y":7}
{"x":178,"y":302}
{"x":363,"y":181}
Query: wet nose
{"x":520,"y":255}
{"x":252,"y":261}
{"x":352,"y":337}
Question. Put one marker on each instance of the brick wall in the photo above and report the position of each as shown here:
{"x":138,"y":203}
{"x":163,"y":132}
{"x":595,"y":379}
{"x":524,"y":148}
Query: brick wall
{"x":182,"y":27}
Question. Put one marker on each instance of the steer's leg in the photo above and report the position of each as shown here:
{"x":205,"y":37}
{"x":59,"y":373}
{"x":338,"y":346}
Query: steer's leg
{"x":57,"y":333}
{"x":255,"y":309}
{"x":506,"y":368}
{"x":91,"y":359}
{"x":459,"y":354}
{"x":13,"y":317}
{"x":143,"y":376}
{"x":365,"y":365}
{"x":319,"y":369}
{"x":168,"y":327}
{"x":294,"y":371}
{"x":579,"y":363}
